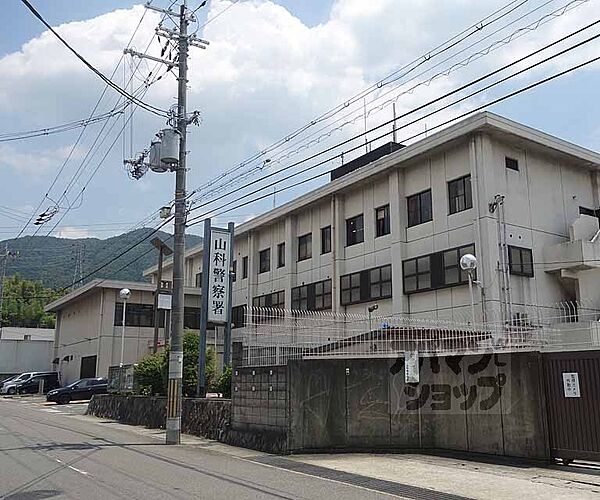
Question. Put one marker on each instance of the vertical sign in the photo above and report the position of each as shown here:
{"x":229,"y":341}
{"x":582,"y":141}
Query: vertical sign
{"x":218,"y":278}
{"x":411,"y":367}
{"x":571,"y":385}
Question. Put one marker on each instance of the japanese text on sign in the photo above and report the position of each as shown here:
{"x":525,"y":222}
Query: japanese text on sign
{"x":571,"y":385}
{"x":218,"y":279}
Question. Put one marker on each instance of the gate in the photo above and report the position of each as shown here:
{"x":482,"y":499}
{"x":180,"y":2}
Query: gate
{"x":573,"y":400}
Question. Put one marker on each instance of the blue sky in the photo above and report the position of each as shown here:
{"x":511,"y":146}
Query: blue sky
{"x":272,"y":67}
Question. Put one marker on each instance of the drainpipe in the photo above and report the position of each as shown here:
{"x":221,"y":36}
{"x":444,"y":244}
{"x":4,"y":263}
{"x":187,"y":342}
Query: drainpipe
{"x":334,"y":278}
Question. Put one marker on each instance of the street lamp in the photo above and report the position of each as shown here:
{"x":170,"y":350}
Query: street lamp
{"x":468,"y":263}
{"x":372,"y":309}
{"x":125,"y":293}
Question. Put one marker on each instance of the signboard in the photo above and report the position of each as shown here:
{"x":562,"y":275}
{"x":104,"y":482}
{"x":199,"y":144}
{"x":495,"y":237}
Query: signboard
{"x":411,"y":367}
{"x":164,"y":301}
{"x":571,"y":385}
{"x":218,"y":278}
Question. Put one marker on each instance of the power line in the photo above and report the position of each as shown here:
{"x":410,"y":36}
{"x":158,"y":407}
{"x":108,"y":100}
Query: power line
{"x":108,"y":81}
{"x":385,"y":81}
{"x":418,"y":108}
{"x":495,"y":45}
{"x":199,"y":219}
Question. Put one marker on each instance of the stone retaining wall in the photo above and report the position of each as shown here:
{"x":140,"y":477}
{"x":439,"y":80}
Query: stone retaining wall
{"x":210,"y":418}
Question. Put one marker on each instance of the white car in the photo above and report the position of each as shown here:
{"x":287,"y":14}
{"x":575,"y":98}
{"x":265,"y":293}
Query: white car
{"x":9,"y":387}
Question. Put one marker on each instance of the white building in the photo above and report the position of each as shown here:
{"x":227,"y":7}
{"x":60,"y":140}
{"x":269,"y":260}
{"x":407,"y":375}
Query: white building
{"x":89,"y":327}
{"x":25,"y":350}
{"x":392,"y":231}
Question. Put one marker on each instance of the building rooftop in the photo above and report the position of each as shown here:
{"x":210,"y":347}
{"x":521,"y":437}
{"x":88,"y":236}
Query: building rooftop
{"x":36,"y":334}
{"x":97,"y":284}
{"x":480,"y":122}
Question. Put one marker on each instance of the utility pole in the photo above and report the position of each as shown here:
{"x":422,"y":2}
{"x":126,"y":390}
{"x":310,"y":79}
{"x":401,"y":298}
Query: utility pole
{"x":4,"y":256}
{"x":173,"y":423}
{"x":173,"y":435}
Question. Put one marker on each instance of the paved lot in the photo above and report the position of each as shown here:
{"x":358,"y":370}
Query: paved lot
{"x":52,"y":451}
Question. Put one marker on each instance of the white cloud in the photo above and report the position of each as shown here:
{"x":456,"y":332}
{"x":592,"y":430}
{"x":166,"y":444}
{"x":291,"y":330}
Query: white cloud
{"x":264,"y":74}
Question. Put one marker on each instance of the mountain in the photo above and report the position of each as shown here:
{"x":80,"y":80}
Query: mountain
{"x":54,"y":261}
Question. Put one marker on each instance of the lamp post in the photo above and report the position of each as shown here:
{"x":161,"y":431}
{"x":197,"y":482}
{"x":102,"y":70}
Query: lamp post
{"x":371,"y":310}
{"x":468,"y":263}
{"x":125,"y":293}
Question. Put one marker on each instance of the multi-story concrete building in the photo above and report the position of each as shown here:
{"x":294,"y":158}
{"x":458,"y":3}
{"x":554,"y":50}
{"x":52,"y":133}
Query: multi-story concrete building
{"x":389,"y":229}
{"x":392,"y":231}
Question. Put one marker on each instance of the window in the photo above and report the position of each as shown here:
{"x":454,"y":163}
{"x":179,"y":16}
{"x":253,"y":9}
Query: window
{"x":381,"y":282}
{"x":191,"y":318}
{"x":281,"y":255}
{"x":355,"y":230}
{"x":511,"y":163}
{"x":521,"y":261}
{"x":453,"y":274}
{"x":460,"y":196}
{"x":135,"y":314}
{"x":264,"y":260}
{"x":437,"y":270}
{"x":382,"y":221}
{"x":326,"y":239}
{"x":244,"y":267}
{"x":275,"y":300}
{"x":312,"y":297}
{"x":419,"y":208}
{"x":234,"y":271}
{"x":198,"y":280}
{"x":238,"y":316}
{"x":305,"y":247}
{"x":366,"y":285}
{"x":589,"y":211}
{"x":417,"y":274}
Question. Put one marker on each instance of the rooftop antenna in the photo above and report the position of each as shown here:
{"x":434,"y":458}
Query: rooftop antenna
{"x":394,"y":138}
{"x":365,"y":115}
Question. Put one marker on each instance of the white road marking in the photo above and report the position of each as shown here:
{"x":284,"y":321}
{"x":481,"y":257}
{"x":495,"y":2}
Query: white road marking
{"x":84,"y":473}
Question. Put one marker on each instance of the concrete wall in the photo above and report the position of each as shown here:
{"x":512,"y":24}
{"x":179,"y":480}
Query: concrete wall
{"x":484,"y":404}
{"x":18,"y":356}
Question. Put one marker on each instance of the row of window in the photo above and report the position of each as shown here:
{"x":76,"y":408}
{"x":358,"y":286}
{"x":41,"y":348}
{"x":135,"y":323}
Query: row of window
{"x":430,"y":272}
{"x":142,"y":315}
{"x":460,"y":197}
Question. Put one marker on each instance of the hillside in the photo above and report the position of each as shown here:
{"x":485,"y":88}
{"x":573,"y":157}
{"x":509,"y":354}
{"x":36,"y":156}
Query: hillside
{"x":53,"y":261}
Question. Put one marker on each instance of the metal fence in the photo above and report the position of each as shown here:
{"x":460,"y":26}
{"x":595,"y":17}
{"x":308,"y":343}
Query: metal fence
{"x":272,"y":336}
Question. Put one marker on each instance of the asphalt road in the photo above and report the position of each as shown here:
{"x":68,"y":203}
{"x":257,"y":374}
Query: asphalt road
{"x":49,"y":451}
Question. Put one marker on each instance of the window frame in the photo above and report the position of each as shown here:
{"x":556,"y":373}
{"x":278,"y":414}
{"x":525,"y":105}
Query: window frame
{"x":359,"y":232}
{"x":511,"y":163}
{"x":325,"y":237}
{"x":234,"y":271}
{"x":512,"y":265}
{"x":245,"y":267}
{"x":467,"y":195}
{"x":386,"y":222}
{"x":307,"y":297}
{"x":304,"y":247}
{"x":437,"y":270}
{"x":281,"y":255}
{"x":198,"y":280}
{"x":264,"y":263}
{"x":356,"y":288}
{"x":421,"y":219}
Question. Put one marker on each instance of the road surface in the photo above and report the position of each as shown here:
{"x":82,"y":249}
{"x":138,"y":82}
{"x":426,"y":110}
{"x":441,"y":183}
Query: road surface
{"x":49,"y":451}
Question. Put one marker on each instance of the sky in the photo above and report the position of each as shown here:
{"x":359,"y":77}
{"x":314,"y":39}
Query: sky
{"x":272,"y":67}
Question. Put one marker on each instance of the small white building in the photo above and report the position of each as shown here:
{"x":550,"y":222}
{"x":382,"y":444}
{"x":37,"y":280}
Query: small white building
{"x":25,"y":350}
{"x":391,"y":227}
{"x":89,"y":327}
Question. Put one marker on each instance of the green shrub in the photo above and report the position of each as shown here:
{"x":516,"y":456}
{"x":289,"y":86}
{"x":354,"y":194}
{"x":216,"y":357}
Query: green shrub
{"x":151,"y":373}
{"x":224,"y":383}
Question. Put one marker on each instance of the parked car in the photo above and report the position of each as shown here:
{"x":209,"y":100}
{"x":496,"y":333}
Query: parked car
{"x":32,"y":384}
{"x":79,"y":390}
{"x":9,"y":386}
{"x":9,"y":379}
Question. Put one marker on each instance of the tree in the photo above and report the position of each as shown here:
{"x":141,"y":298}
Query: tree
{"x":151,"y":373}
{"x":24,"y":301}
